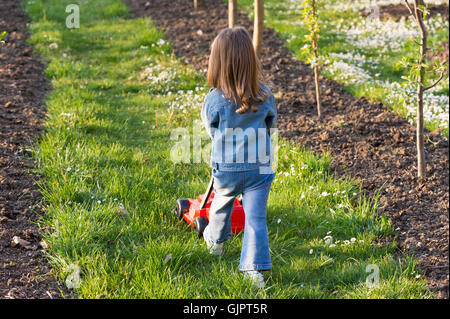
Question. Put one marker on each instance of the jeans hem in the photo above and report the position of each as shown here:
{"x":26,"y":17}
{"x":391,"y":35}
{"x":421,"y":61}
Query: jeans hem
{"x":218,"y":241}
{"x":255,"y":267}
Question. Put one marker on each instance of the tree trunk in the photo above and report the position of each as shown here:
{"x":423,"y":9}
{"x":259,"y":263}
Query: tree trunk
{"x":421,"y":165}
{"x":318,"y":94}
{"x":258,"y":26}
{"x":316,"y":58}
{"x":232,"y":13}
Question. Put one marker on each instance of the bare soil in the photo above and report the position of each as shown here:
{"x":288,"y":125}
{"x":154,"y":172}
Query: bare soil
{"x":24,"y":271}
{"x":366,"y":141}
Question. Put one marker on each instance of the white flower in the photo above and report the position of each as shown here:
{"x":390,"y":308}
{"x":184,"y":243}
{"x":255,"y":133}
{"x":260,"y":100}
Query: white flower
{"x":311,"y":251}
{"x":328,"y":240}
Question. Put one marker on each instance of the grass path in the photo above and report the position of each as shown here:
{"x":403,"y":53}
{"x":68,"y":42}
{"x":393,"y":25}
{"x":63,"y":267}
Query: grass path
{"x":110,"y":184}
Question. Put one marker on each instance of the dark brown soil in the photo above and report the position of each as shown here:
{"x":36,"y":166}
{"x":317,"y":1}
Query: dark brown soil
{"x":366,"y":141}
{"x":24,"y":272}
{"x":398,"y":11}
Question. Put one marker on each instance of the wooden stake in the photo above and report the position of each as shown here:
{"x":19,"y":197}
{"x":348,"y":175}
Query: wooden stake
{"x":258,"y":26}
{"x":232,"y":13}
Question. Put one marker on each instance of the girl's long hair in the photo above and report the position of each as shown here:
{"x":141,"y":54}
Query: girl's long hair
{"x":234,"y":68}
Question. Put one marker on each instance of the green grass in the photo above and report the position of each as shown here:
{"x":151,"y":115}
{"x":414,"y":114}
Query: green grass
{"x":109,"y":183}
{"x":287,"y":23}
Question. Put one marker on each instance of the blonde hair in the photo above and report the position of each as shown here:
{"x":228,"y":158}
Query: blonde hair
{"x":234,"y":68}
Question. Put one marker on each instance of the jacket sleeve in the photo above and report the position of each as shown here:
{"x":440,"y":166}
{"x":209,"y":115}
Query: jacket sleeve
{"x":271,"y":118}
{"x":210,"y":118}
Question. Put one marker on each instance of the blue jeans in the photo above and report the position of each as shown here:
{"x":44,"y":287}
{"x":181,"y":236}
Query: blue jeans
{"x":254,"y":188}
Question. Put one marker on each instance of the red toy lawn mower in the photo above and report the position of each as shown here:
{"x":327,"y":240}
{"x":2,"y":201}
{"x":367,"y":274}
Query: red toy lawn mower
{"x":196,"y":211}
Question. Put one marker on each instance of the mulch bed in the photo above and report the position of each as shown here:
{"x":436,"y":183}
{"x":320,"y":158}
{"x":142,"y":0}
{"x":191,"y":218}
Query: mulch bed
{"x":398,"y":11}
{"x":24,"y":271}
{"x":365,"y":140}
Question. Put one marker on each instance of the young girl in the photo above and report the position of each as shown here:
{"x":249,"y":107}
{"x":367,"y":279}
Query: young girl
{"x":239,"y":113}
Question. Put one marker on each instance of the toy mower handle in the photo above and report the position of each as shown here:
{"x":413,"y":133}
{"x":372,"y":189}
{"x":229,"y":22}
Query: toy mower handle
{"x":208,"y":193}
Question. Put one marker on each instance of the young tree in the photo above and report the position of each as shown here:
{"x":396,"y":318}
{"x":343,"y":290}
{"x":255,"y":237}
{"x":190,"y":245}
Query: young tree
{"x":417,"y":76}
{"x":258,"y":26}
{"x":2,"y":36}
{"x":311,"y":50}
{"x":232,"y":13}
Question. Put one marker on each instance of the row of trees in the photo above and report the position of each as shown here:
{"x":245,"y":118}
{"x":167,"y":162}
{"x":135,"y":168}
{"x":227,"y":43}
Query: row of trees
{"x":418,"y":67}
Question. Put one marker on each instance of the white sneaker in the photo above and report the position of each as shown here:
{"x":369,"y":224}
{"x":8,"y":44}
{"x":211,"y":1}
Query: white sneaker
{"x":255,"y":277}
{"x":214,"y":248}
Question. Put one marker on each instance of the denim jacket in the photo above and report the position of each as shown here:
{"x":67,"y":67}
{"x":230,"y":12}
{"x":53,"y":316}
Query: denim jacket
{"x":240,"y":142}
